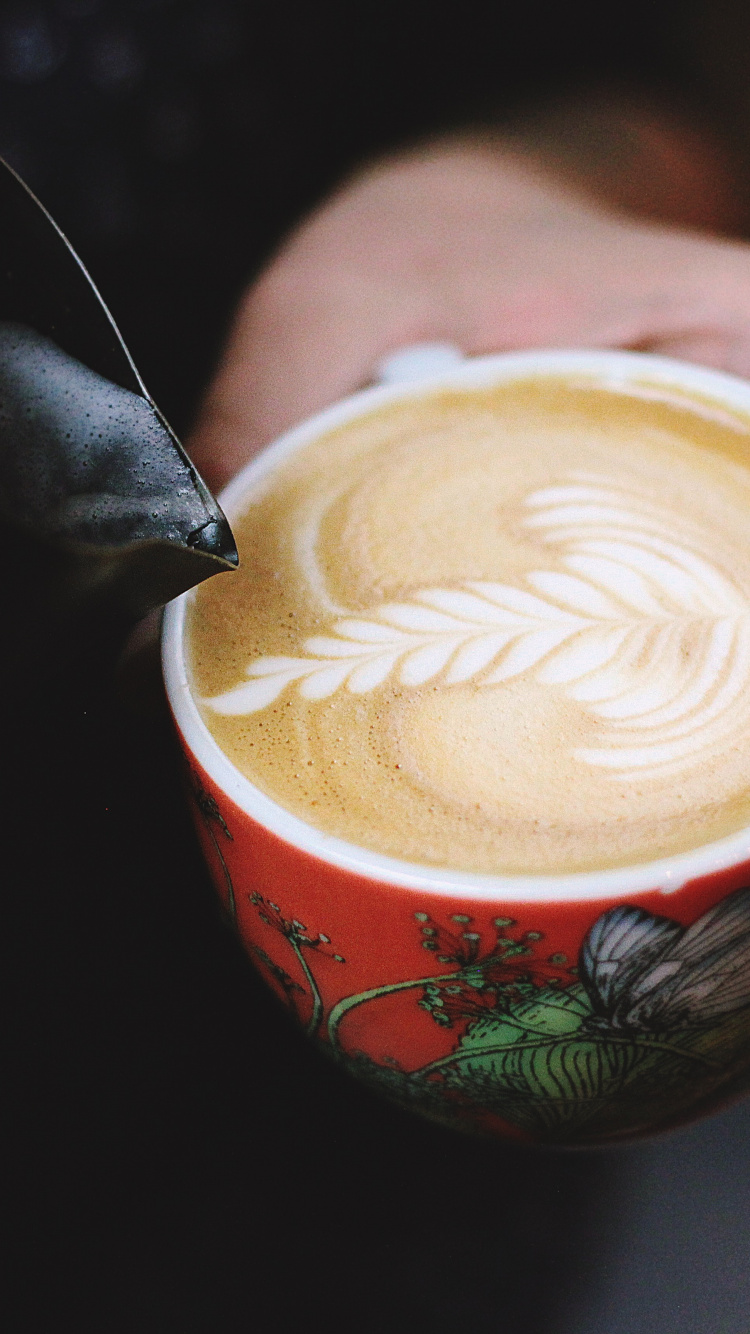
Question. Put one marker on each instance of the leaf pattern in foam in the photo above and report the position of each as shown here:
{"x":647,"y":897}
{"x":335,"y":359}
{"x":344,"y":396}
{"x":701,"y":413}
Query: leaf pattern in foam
{"x":635,"y":625}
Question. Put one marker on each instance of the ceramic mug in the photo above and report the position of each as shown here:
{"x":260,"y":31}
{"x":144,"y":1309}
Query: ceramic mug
{"x":565,"y":1009}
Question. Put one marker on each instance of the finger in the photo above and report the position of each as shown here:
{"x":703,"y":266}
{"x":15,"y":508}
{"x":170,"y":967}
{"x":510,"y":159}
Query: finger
{"x":725,"y":349}
{"x":291,"y":353}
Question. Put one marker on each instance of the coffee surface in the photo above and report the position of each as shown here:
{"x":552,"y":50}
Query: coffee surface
{"x":499,"y":630}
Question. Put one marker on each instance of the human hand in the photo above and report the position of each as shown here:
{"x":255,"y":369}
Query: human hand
{"x":469,"y":242}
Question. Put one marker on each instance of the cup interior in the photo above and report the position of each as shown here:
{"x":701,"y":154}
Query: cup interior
{"x":634,"y":373}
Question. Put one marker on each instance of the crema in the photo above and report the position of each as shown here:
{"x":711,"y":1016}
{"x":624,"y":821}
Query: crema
{"x":497,"y":630}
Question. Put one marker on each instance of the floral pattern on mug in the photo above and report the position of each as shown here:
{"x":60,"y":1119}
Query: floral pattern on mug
{"x":650,"y":1020}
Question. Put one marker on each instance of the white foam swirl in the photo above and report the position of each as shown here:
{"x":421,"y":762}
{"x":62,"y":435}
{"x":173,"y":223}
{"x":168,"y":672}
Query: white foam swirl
{"x":638,"y":628}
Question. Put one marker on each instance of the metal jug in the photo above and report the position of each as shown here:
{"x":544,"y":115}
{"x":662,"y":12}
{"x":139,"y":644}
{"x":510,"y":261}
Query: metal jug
{"x":102,"y":514}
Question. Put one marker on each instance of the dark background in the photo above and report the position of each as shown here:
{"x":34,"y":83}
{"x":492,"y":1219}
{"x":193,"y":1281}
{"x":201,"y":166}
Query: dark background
{"x":177,"y":1159}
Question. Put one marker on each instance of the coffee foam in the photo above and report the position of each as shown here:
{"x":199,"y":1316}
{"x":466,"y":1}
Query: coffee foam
{"x":499,"y":630}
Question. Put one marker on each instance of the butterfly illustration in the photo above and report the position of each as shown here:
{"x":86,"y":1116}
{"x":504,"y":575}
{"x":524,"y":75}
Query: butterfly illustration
{"x":646,"y":973}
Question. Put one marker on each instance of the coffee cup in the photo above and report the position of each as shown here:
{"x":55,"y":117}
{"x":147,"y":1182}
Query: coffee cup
{"x":468,"y":737}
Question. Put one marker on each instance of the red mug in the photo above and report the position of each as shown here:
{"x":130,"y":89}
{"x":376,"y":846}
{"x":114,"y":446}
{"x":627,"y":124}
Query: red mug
{"x":564,"y":1009}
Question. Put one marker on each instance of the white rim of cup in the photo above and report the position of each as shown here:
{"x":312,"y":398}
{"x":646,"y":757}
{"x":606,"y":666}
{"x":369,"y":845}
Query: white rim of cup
{"x":617,"y":370}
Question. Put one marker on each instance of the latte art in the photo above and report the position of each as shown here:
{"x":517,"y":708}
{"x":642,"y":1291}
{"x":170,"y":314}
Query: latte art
{"x":643,"y":632}
{"x":574,"y":690}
